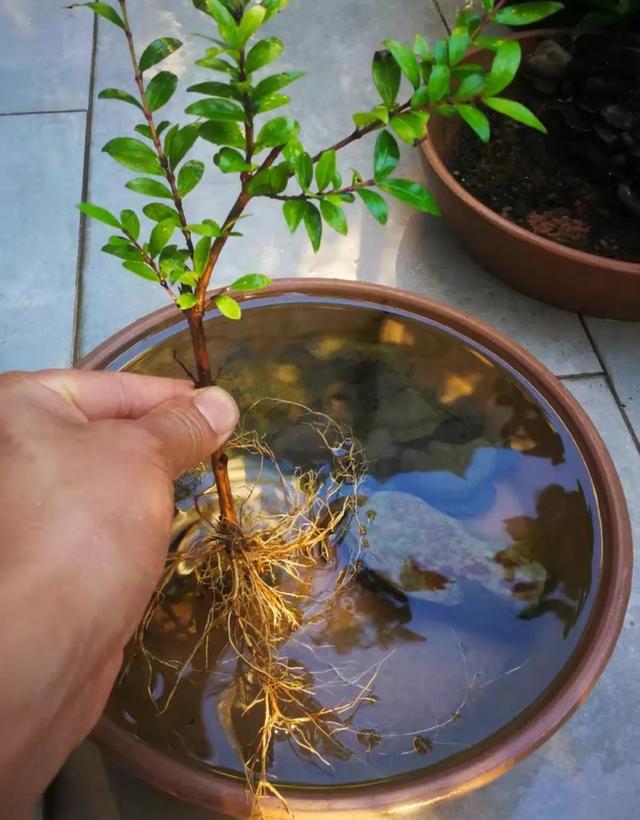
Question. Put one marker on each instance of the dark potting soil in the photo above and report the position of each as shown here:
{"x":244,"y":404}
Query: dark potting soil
{"x":579,"y":185}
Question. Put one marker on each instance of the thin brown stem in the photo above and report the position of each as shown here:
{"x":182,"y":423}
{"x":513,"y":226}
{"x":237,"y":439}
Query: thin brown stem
{"x":151,"y":263}
{"x":367,"y":183}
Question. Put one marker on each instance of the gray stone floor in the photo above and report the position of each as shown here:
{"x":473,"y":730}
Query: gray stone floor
{"x":61,"y":296}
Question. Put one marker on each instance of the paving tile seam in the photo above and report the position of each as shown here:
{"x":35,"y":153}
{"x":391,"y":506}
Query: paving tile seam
{"x":43,"y":113}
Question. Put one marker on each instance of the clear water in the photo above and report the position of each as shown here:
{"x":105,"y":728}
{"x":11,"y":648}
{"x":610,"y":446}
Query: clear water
{"x":482,"y":558}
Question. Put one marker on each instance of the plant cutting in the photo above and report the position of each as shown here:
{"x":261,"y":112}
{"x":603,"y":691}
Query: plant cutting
{"x":248,"y":564}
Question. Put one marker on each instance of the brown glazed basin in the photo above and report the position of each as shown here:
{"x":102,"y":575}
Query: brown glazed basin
{"x":539,"y":267}
{"x":503,"y":750}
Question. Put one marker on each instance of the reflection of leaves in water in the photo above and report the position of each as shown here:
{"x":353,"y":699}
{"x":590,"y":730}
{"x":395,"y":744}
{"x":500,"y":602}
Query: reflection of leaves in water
{"x":528,"y":429}
{"x":561,"y":539}
{"x":414,"y":578}
{"x":369,"y":612}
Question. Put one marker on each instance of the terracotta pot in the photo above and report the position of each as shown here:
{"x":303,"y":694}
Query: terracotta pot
{"x":539,"y":267}
{"x":533,"y":726}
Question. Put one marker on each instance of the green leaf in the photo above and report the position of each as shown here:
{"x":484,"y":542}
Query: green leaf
{"x":304,"y":171}
{"x":386,"y":155}
{"x":215,"y":89}
{"x":101,"y":214}
{"x":160,"y":89}
{"x":124,"y":250}
{"x":263,"y":53}
{"x":470,"y":86}
{"x":186,"y":301}
{"x":274,"y":83}
{"x":220,"y":110}
{"x":149,"y":187}
{"x":488,"y":5}
{"x":146,"y":131}
{"x":439,"y":81}
{"x":274,"y":6}
{"x":252,"y":281}
{"x":228,"y":306}
{"x":420,"y":98}
{"x":141,"y":269}
{"x":503,"y":68}
{"x":515,"y":111}
{"x":412,"y":193}
{"x":130,"y":223}
{"x":526,"y":13}
{"x":158,"y":212}
{"x":410,"y":127}
{"x":313,"y":225}
{"x":187,"y":278}
{"x":102,"y":9}
{"x":201,"y":254}
{"x":223,"y":17}
{"x":277,"y":132}
{"x":292,"y":151}
{"x":334,"y":215}
{"x":269,"y":181}
{"x":270,"y":103}
{"x":230,"y":161}
{"x":441,"y":52}
{"x":406,"y":59}
{"x":378,"y":208}
{"x":475,"y":119}
{"x":223,"y":133}
{"x":293,"y":210}
{"x":215,"y":64}
{"x":133,"y":154}
{"x":160,"y":235}
{"x":190,"y":175}
{"x":117,"y":94}
{"x":421,"y":48}
{"x":378,"y":114}
{"x":251,"y":21}
{"x":157,"y":51}
{"x":326,"y":169}
{"x":209,"y":227}
{"x":458,"y":45}
{"x":386,"y":76}
{"x":181,"y":142}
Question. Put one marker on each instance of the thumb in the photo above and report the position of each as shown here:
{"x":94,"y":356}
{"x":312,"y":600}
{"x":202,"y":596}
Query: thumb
{"x":190,"y":428}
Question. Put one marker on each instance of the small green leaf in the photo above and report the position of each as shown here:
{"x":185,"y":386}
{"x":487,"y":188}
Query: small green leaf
{"x":503,"y":68}
{"x":133,"y":154}
{"x":223,"y":17}
{"x":149,"y":187}
{"x":439,"y":81}
{"x":101,"y":214}
{"x":160,"y":235}
{"x":104,"y":10}
{"x":215,"y":64}
{"x":275,"y":83}
{"x":270,"y":103}
{"x":124,"y":250}
{"x":526,"y":13}
{"x":228,"y":306}
{"x":186,"y":301}
{"x":214,"y":89}
{"x":514,"y":110}
{"x":410,"y":127}
{"x":421,"y":48}
{"x":293,"y":210}
{"x":277,"y":132}
{"x":304,"y":171}
{"x":117,"y":94}
{"x":406,"y":59}
{"x":313,"y":225}
{"x":458,"y":45}
{"x":412,"y":193}
{"x":208,"y":228}
{"x":160,"y":89}
{"x":252,"y":281}
{"x":157,"y":51}
{"x":292,"y":151}
{"x":181,"y":142}
{"x":201,"y":254}
{"x":158,"y":212}
{"x":223,"y":133}
{"x":441,"y":52}
{"x":386,"y":155}
{"x":420,"y":98}
{"x":190,"y":175}
{"x":326,"y":169}
{"x":475,"y":119}
{"x":378,"y":208}
{"x":141,"y":269}
{"x":334,"y":216}
{"x":130,"y":223}
{"x":378,"y":114}
{"x":219,"y":110}
{"x":187,"y":278}
{"x":251,"y":21}
{"x":470,"y":86}
{"x":263,"y":53}
{"x":386,"y":76}
{"x":230,"y":161}
{"x":269,"y":181}
{"x":146,"y":131}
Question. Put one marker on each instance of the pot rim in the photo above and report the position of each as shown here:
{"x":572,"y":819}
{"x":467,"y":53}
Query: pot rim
{"x":440,"y":169}
{"x":529,"y":729}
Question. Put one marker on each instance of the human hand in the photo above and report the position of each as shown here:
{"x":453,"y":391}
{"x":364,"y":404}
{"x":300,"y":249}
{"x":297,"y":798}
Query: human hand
{"x":88,"y":461}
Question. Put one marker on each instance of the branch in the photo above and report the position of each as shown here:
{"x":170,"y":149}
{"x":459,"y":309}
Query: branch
{"x":362,"y":132}
{"x":151,"y":263}
{"x":368,"y":183}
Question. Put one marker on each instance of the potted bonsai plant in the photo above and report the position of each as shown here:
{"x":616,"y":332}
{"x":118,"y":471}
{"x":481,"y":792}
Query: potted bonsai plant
{"x":565,"y":205}
{"x":297,"y":584}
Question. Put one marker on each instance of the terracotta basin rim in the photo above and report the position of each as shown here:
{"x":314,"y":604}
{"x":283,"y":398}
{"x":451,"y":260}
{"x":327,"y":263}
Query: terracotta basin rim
{"x":519,"y":738}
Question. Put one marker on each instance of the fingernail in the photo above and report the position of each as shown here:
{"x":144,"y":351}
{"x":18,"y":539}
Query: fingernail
{"x":218,"y":408}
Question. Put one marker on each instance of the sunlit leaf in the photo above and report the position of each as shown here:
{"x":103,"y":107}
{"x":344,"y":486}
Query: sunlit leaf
{"x":190,"y":175}
{"x":263,"y":53}
{"x":325,"y":169}
{"x":214,"y":109}
{"x":252,"y":281}
{"x":334,"y":216}
{"x":406,"y":59}
{"x":130,"y":223}
{"x":101,"y":214}
{"x":293,"y":210}
{"x":228,"y":306}
{"x":160,"y":235}
{"x":526,"y":13}
{"x":160,"y":89}
{"x":503,"y":68}
{"x":412,"y":193}
{"x":133,"y":154}
{"x":157,"y":51}
{"x":376,"y":205}
{"x":516,"y":111}
{"x":149,"y":187}
{"x":386,"y":155}
{"x":475,"y":119}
